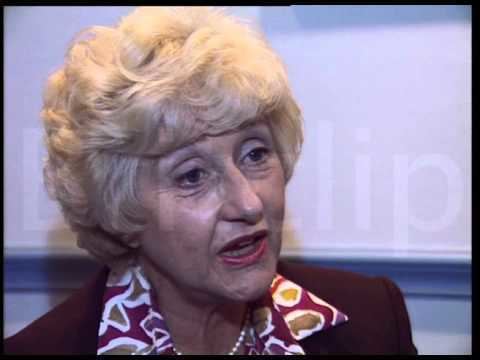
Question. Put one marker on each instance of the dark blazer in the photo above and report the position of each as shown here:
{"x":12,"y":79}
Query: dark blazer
{"x":378,"y":319}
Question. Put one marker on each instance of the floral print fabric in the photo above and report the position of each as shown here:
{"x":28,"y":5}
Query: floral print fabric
{"x":132,"y":324}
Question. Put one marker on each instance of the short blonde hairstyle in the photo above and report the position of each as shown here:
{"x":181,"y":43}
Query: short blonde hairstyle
{"x":160,"y":79}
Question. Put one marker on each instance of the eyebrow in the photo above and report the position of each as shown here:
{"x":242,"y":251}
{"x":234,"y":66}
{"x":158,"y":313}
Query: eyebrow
{"x":188,"y":152}
{"x":179,"y":156}
{"x":260,"y":131}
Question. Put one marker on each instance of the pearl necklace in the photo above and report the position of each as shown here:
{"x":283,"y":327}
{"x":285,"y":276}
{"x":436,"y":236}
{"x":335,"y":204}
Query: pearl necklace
{"x":237,"y":344}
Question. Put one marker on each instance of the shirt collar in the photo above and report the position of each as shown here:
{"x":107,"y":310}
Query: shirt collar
{"x":131,"y":324}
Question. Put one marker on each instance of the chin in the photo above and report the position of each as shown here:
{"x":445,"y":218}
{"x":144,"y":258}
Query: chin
{"x":256,"y":282}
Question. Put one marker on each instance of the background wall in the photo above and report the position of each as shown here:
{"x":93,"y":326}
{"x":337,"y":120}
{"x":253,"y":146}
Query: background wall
{"x":384,"y":182}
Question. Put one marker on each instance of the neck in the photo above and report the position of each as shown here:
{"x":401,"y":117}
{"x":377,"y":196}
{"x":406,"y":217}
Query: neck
{"x":196,"y":325}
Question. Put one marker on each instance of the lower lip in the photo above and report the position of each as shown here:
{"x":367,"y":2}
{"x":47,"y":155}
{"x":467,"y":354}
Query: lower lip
{"x":247,"y":259}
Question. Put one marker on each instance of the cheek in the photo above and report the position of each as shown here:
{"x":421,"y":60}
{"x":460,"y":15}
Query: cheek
{"x":274,"y":200}
{"x":183,"y":225}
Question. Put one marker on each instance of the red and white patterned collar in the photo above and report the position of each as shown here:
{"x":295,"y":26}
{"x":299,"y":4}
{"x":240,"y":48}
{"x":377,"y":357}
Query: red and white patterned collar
{"x":131,"y":324}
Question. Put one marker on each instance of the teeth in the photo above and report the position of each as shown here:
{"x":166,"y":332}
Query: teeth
{"x":244,"y":243}
{"x":240,"y":252}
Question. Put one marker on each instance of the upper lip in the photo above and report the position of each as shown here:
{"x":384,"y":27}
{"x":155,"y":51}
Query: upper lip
{"x":235,"y":241}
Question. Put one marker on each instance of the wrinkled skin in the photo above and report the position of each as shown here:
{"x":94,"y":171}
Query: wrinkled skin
{"x":202,"y":196}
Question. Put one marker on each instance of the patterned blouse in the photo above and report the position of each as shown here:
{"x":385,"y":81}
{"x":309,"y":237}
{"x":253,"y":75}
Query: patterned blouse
{"x":131,"y":324}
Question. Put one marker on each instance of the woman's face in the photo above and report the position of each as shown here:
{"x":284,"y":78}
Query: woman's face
{"x":201,"y":200}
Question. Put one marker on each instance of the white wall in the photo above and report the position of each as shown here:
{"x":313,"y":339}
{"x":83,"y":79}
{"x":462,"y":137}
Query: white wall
{"x":387,"y":103}
{"x":388,"y":124}
{"x":386,"y":95}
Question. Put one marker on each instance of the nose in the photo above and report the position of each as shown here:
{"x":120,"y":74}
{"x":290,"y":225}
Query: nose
{"x":240,"y":200}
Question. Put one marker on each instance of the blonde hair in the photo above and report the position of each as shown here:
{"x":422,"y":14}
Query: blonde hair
{"x":160,"y":79}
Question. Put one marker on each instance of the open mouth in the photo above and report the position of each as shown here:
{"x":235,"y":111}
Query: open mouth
{"x":246,"y":249}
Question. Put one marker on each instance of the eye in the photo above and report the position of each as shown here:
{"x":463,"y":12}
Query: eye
{"x":191,"y":178}
{"x":258,"y":155}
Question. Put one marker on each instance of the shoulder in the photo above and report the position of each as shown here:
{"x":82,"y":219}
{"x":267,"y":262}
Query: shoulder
{"x":334,"y":285}
{"x":69,"y":328}
{"x":378,"y":318}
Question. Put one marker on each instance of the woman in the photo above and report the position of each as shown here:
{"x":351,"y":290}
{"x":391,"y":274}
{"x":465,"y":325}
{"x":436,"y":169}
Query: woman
{"x":170,"y":140}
